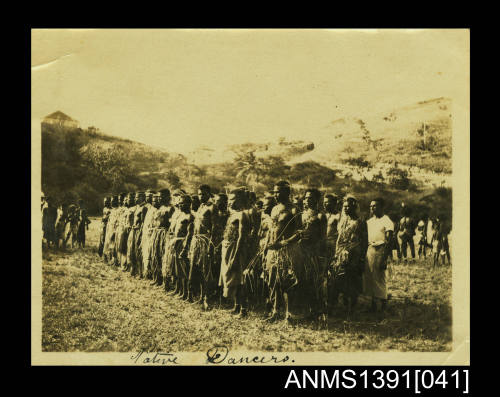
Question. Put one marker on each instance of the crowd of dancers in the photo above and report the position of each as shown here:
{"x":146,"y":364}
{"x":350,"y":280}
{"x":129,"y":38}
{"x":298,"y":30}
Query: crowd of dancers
{"x":293,"y":258}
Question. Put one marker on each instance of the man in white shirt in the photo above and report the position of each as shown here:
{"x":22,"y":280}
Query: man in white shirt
{"x":380,"y":230}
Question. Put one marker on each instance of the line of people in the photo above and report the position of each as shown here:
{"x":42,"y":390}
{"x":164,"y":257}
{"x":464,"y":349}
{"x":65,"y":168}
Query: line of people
{"x":270,"y":253}
{"x":63,"y":224}
{"x":428,"y":234}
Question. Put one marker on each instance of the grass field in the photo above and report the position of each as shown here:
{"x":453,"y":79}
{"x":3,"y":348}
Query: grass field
{"x":92,"y":307}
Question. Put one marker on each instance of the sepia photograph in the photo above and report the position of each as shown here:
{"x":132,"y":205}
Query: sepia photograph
{"x":237,"y":196}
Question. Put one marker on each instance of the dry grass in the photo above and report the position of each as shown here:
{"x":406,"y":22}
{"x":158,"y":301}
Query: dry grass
{"x":90,"y":306}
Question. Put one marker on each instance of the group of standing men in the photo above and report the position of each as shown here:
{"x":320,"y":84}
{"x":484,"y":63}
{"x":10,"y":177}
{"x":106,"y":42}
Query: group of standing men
{"x":428,"y":234}
{"x":295,"y":262}
{"x":64,"y":223}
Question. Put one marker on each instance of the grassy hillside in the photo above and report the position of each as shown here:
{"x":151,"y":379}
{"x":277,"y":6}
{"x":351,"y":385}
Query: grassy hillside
{"x":85,"y":164}
{"x":396,"y":136}
{"x":90,"y":165}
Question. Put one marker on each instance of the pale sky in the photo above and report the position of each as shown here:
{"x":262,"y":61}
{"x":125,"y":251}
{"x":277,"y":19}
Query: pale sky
{"x":178,"y":89}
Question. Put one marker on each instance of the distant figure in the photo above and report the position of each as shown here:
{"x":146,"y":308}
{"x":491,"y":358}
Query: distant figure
{"x":405,"y":234}
{"x":421,"y":237}
{"x":429,"y":232}
{"x":61,"y":225}
{"x":83,"y":224}
{"x":380,"y":230}
{"x":71,"y":230}
{"x":49,"y":215}
{"x":439,"y":242}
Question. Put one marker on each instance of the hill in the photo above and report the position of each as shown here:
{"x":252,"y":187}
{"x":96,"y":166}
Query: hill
{"x":88,"y":164}
{"x":369,"y":157}
{"x":416,"y":136}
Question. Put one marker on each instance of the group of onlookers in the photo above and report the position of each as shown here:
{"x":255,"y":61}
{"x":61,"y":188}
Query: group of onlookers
{"x":63,"y":224}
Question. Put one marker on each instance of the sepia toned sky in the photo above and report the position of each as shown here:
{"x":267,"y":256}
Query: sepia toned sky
{"x":178,"y":89}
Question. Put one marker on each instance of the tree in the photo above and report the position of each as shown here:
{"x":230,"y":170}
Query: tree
{"x":358,"y":161}
{"x":111,"y":162}
{"x":367,"y":136}
{"x":427,"y":134}
{"x":248,"y":166}
{"x":173,"y":180}
{"x":398,"y":178}
{"x":311,"y":173}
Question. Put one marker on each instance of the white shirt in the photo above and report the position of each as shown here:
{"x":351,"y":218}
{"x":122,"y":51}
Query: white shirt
{"x":377,"y":228}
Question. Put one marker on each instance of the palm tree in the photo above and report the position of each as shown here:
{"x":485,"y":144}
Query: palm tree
{"x":249,"y":167}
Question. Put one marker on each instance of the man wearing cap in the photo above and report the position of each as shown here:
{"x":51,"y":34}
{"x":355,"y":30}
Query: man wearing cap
{"x":350,"y":256}
{"x":380,"y":230}
{"x":104,"y":221}
{"x":282,"y":256}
